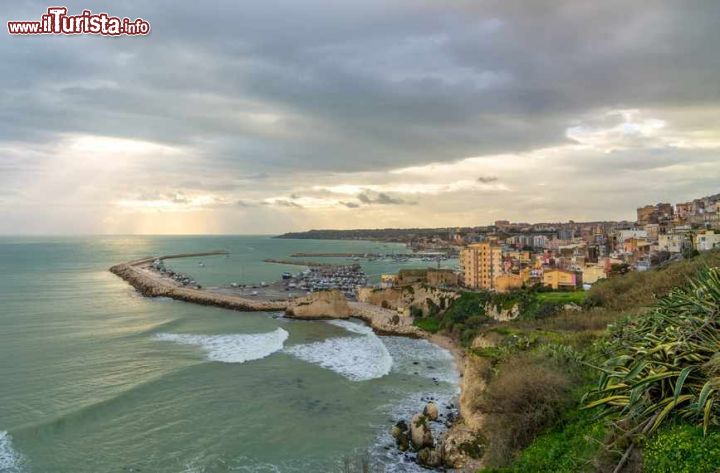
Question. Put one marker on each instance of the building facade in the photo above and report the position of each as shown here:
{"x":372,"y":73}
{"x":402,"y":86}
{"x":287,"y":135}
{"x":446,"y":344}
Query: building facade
{"x":561,"y":279}
{"x":480,"y":264}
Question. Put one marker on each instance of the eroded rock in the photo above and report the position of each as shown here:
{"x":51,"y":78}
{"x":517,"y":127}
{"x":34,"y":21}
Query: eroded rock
{"x":420,"y":434}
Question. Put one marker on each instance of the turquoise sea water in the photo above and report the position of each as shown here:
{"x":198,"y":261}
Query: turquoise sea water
{"x":95,"y":378}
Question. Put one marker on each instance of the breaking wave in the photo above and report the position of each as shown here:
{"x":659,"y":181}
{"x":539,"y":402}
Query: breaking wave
{"x":10,"y":460}
{"x":232,"y":348}
{"x":356,"y":358}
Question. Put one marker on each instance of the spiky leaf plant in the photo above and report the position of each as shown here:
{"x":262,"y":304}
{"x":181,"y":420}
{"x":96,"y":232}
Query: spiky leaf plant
{"x":666,"y":363}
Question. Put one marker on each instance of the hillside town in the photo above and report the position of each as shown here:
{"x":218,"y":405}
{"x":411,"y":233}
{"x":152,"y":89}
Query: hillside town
{"x":568,"y":256}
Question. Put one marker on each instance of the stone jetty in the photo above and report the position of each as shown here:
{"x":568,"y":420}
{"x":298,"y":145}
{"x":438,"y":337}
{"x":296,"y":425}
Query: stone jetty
{"x":140,"y":275}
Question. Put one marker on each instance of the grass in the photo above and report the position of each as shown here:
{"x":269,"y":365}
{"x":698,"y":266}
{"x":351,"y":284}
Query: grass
{"x":570,"y":447}
{"x":573,"y":297}
{"x":682,"y":448}
{"x":428,"y":324}
{"x":642,"y":289}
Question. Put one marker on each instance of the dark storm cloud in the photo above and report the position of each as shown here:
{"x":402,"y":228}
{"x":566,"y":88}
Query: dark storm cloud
{"x":253,"y":87}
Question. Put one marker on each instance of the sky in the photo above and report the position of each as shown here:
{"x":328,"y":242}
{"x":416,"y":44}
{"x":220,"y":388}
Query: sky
{"x":264,"y":117}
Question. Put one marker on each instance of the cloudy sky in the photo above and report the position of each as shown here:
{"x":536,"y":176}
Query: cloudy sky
{"x":264,"y":117}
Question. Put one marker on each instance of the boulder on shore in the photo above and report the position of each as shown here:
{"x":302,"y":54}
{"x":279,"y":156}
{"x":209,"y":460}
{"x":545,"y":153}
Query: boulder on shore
{"x":431,"y":411}
{"x":319,"y":305}
{"x":430,"y":457}
{"x":420,"y":434}
{"x":400,"y":433}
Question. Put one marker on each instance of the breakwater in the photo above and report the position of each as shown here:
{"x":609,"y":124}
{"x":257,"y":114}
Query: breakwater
{"x":149,"y":283}
{"x":336,"y":255}
{"x":309,"y":264}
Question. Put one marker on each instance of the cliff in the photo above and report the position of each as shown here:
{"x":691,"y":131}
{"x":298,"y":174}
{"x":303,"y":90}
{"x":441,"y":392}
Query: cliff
{"x":320,"y":305}
{"x":410,"y":299}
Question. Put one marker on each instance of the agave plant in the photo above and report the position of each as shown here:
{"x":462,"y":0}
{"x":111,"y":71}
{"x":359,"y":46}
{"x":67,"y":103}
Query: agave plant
{"x":666,"y":363}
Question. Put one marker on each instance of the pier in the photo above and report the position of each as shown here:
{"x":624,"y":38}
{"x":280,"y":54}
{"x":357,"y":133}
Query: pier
{"x":140,"y":275}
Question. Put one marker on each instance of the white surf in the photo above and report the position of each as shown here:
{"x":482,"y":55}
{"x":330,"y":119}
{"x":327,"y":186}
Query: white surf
{"x":236,"y":348}
{"x":356,"y":358}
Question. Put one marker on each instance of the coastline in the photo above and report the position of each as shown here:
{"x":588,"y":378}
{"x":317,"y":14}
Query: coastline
{"x":151,"y":284}
{"x":382,"y":321}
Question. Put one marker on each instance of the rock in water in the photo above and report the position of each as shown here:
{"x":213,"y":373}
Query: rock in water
{"x":420,"y":434}
{"x":400,"y":433}
{"x":429,"y":457}
{"x":431,"y":411}
{"x":399,"y":428}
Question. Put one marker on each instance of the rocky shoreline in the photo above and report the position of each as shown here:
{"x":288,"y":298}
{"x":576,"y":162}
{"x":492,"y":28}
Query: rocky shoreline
{"x":415,"y":435}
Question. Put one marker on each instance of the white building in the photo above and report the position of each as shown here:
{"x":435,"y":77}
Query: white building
{"x":623,"y":235}
{"x":673,"y":242}
{"x":707,"y":241}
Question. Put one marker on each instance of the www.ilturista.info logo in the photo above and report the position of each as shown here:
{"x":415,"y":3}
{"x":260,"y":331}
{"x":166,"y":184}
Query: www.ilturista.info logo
{"x":57,"y":21}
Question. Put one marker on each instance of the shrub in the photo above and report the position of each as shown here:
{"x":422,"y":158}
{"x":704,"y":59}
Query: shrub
{"x":525,"y":397}
{"x":568,"y":448}
{"x":427,"y":324}
{"x":641,"y":289}
{"x":593,"y":320}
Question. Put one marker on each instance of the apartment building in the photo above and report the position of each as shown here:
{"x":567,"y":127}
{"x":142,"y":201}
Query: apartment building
{"x":480,"y":264}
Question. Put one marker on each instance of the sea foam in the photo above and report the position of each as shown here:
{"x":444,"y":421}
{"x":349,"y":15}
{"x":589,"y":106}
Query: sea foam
{"x":232,"y":348}
{"x":356,"y":358}
{"x":421,"y":357}
{"x":10,"y":459}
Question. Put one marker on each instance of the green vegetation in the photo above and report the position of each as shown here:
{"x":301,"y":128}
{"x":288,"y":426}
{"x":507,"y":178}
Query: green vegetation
{"x":641,"y":289}
{"x":666,"y":363}
{"x":517,"y":407}
{"x":428,"y":324}
{"x":682,"y":448}
{"x":570,"y":447}
{"x":574,"y":297}
{"x":652,"y":338}
{"x":468,"y":315}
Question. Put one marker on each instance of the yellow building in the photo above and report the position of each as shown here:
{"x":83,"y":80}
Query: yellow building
{"x":592,"y":273}
{"x":388,"y":280}
{"x":508,"y":282}
{"x":480,"y":264}
{"x":560,"y":279}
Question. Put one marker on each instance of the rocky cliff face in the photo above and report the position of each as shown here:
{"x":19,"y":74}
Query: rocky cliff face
{"x":416,"y":297}
{"x":502,"y":315}
{"x":319,"y":305}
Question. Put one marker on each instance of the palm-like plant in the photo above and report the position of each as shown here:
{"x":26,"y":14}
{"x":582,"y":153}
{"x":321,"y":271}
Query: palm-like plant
{"x":666,"y":363}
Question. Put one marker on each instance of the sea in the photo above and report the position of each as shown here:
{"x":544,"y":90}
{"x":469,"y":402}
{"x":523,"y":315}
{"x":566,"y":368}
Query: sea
{"x":96,"y":378}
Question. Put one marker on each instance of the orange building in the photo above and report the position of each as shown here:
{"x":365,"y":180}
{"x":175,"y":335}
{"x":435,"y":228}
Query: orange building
{"x":480,"y":264}
{"x":509,"y":282}
{"x":561,"y":279}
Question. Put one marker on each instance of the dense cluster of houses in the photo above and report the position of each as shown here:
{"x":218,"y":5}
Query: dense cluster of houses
{"x":573,"y":255}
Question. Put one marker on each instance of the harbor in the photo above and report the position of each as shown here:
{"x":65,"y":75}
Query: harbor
{"x":345,"y":278}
